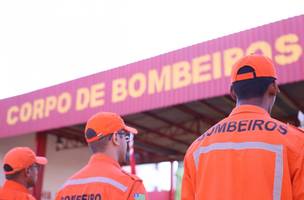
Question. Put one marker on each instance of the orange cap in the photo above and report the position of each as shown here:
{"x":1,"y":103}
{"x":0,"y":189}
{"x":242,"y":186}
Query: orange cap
{"x":20,"y":158}
{"x":257,"y":66}
{"x":105,"y":123}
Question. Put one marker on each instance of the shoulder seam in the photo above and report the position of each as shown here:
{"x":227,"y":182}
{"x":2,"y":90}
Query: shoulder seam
{"x":297,"y":128}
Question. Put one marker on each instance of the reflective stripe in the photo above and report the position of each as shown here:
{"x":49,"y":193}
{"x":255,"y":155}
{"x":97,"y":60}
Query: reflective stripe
{"x":277,"y":149}
{"x":99,"y":179}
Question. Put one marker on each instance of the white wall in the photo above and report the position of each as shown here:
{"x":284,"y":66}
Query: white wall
{"x":62,"y":164}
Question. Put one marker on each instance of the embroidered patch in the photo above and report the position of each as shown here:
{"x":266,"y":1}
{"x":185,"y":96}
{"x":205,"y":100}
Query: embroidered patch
{"x":138,"y":196}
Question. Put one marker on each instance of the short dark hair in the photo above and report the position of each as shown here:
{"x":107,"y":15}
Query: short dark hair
{"x":12,"y":176}
{"x":251,"y":88}
{"x":8,"y":168}
{"x":100,"y":145}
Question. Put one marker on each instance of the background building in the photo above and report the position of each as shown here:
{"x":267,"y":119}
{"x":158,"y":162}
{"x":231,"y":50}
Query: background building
{"x":171,"y":99}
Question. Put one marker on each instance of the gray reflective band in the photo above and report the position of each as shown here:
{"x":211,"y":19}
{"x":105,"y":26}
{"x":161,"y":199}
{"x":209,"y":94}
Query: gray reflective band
{"x":277,"y":149}
{"x":98,"y":179}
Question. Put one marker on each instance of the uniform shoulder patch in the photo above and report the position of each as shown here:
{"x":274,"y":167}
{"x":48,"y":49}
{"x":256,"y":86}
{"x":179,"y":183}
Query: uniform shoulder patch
{"x":138,"y":196}
{"x":132,"y":176}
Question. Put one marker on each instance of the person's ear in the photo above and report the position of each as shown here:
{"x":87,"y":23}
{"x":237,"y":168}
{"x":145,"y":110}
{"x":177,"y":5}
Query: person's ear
{"x":273,"y":89}
{"x":277,"y":87}
{"x":27,"y":172}
{"x":115,"y":139}
{"x":232,"y":94}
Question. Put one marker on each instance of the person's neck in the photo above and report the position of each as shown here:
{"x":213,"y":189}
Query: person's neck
{"x":253,"y":101}
{"x":111,"y":154}
{"x":21,"y":181}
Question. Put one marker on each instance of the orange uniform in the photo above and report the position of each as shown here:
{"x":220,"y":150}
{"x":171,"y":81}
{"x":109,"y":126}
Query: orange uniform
{"x":12,"y":190}
{"x":248,"y":155}
{"x":102,"y":179}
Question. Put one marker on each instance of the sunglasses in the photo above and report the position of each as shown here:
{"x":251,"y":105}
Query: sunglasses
{"x":35,"y":166}
{"x":128,"y":136}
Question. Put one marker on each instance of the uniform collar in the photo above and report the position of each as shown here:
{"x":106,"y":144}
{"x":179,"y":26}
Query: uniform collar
{"x":13,"y":185}
{"x":100,"y":157}
{"x":248,"y":109}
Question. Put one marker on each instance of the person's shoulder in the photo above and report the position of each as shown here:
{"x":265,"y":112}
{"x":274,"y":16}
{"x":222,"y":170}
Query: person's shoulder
{"x":295,"y":138}
{"x":1,"y":193}
{"x":30,"y":197}
{"x":289,"y":130}
{"x":131,"y":177}
{"x":192,"y":148}
{"x":10,"y":194}
{"x":295,"y":129}
{"x":204,"y":135}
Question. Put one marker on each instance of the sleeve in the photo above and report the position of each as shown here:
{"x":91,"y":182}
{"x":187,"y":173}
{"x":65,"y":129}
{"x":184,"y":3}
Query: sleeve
{"x":138,"y":191}
{"x":298,"y":179}
{"x":187,"y":182}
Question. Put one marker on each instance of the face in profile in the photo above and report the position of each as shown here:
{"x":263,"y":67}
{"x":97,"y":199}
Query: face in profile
{"x":272,"y":91}
{"x":124,"y":138}
{"x":32,"y":175}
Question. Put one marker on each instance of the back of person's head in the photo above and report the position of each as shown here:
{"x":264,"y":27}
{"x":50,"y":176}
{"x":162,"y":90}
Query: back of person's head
{"x":100,"y":146}
{"x":251,"y":76}
{"x":101,"y":127}
{"x":13,"y":176}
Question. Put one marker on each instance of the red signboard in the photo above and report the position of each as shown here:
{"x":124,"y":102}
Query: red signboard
{"x":196,"y":72}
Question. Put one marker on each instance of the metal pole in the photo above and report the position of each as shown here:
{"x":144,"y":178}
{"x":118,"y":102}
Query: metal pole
{"x":41,"y":141}
{"x":171,"y":183}
{"x":132,"y":157}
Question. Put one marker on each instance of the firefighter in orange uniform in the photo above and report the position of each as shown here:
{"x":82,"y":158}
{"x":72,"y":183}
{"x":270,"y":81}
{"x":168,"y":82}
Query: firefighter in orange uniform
{"x":102,"y":178}
{"x":21,"y":172}
{"x":247,"y":155}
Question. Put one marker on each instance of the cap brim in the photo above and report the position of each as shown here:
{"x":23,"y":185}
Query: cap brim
{"x":131,"y":130}
{"x":41,"y":160}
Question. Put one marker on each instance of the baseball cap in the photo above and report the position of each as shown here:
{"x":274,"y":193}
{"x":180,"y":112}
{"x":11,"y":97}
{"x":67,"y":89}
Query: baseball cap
{"x":20,"y":158}
{"x":103,"y":124}
{"x":253,"y":66}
